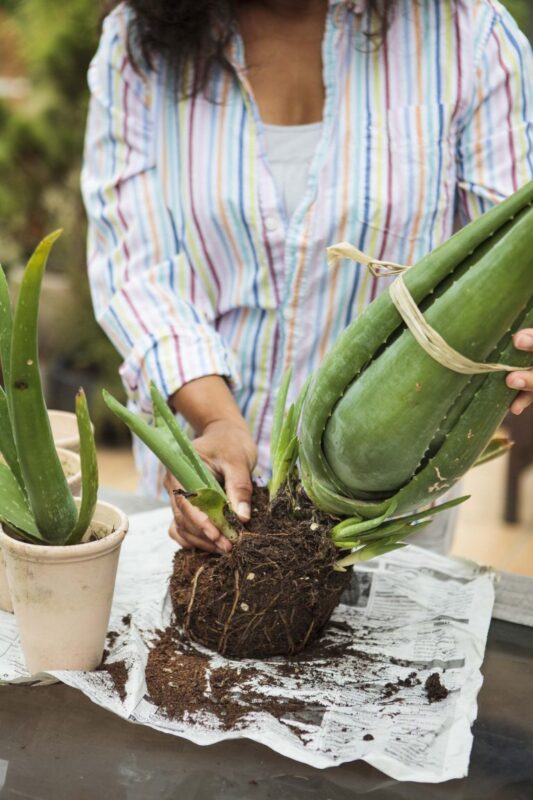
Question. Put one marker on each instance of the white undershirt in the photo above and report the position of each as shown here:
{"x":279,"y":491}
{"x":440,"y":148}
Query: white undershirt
{"x":290,"y":150}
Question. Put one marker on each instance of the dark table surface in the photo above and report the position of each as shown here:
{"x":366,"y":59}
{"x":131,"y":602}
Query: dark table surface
{"x":57,"y":745}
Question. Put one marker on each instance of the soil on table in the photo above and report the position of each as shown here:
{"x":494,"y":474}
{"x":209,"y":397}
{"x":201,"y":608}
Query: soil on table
{"x":275,"y":591}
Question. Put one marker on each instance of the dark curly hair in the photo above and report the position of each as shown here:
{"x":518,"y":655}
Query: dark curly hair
{"x":198,"y":32}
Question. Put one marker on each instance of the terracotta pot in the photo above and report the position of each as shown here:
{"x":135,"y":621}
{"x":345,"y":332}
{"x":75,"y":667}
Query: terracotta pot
{"x":65,"y":430}
{"x":62,"y":595}
{"x":71,"y":467}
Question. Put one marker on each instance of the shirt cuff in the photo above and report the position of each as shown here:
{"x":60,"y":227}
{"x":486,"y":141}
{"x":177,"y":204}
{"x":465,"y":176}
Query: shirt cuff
{"x":172,"y":359}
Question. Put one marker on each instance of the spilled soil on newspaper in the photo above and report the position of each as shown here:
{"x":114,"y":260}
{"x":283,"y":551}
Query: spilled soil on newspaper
{"x":275,"y":591}
{"x":186,"y":682}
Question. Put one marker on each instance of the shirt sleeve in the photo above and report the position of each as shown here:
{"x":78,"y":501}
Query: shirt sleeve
{"x":146,"y":294}
{"x":495,"y":145}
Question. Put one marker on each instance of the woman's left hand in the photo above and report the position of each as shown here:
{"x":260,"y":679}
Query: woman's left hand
{"x":522,"y":340}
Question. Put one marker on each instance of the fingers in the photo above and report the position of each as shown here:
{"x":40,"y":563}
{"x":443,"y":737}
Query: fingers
{"x":190,"y":540}
{"x":192,"y":527}
{"x":521,"y":402}
{"x":524,"y":382}
{"x":238,"y":485}
{"x":523,"y":339}
{"x":521,"y":380}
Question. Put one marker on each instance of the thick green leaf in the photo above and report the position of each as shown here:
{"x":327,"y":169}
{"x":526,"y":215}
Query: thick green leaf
{"x":48,"y":492}
{"x":279,"y":412}
{"x":352,"y":527}
{"x":284,"y":441}
{"x":284,"y":466}
{"x":298,"y":405}
{"x":7,"y":443}
{"x":14,"y":508}
{"x":6,"y":328}
{"x":214,"y":504}
{"x":160,"y":443}
{"x":89,"y":470}
{"x":496,"y":447}
{"x":367,"y":553}
{"x":167,"y":418}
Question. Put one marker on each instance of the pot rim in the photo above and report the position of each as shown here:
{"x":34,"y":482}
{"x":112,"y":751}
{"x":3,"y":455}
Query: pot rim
{"x":71,"y":552}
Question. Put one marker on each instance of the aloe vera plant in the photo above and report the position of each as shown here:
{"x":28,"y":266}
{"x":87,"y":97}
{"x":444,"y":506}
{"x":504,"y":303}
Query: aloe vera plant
{"x":35,"y":500}
{"x":385,"y":427}
{"x":173,"y":448}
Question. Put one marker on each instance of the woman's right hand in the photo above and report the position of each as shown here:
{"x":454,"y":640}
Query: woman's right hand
{"x":228,"y":449}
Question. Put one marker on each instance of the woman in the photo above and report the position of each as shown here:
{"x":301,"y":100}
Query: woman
{"x":229,"y":143}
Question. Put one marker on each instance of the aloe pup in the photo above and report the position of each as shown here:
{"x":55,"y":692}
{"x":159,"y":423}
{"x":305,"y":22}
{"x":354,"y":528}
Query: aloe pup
{"x":35,"y":499}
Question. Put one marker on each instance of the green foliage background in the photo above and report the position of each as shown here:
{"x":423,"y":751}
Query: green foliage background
{"x":41,"y":142}
{"x":40,"y":155}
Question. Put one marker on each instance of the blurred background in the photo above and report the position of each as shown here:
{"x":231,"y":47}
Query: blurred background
{"x":45,"y":49}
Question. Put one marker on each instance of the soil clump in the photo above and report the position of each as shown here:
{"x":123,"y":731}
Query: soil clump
{"x":435,"y":690}
{"x":275,"y":591}
{"x":118,"y":672}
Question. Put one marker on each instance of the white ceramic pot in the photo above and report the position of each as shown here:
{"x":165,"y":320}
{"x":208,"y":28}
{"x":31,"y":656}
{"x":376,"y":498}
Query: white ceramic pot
{"x":62,"y":595}
{"x":65,"y":430}
{"x":70,"y":462}
{"x":71,"y":467}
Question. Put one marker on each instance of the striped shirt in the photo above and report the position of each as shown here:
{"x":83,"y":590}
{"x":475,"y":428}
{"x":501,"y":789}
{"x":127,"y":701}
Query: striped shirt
{"x":194,"y":266}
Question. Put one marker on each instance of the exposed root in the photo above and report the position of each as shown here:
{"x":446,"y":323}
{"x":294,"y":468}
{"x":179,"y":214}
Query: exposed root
{"x":286,"y":603}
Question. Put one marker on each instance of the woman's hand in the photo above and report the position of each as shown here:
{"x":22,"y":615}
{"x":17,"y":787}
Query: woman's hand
{"x":523,"y":340}
{"x":230,"y":452}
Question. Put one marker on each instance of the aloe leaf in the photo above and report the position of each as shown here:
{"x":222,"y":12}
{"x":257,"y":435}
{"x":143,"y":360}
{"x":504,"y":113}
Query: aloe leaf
{"x":214,"y":504}
{"x":416,"y":515}
{"x":7,"y":443}
{"x":6,"y":329}
{"x":353,"y":526}
{"x":48,"y":492}
{"x":89,"y":470}
{"x":160,"y":443}
{"x":284,"y":447}
{"x":298,"y":405}
{"x":366,"y":554}
{"x":283,"y":468}
{"x":14,"y":507}
{"x":279,"y":412}
{"x":167,"y":418}
{"x":496,"y":447}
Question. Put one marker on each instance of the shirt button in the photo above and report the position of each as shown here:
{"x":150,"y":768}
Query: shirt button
{"x":271,"y":223}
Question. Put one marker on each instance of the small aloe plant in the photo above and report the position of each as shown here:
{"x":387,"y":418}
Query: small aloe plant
{"x":174,"y":449}
{"x":170,"y":444}
{"x":35,"y":499}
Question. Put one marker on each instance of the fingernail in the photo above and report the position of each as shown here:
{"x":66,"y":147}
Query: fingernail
{"x":525,"y":341}
{"x":244,"y":510}
{"x":518,"y":383}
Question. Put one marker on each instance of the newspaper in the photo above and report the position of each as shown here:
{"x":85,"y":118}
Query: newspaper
{"x":415,"y":613}
{"x":514,"y":599}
